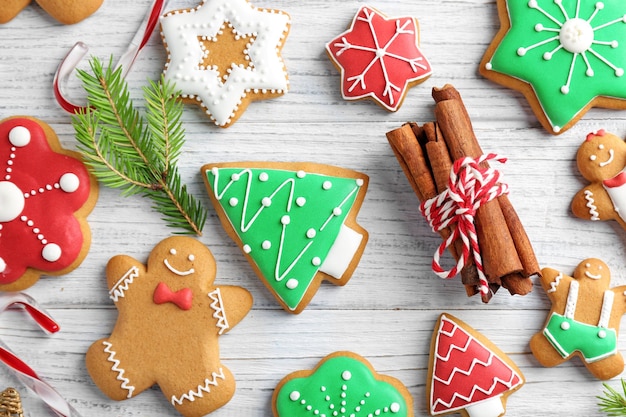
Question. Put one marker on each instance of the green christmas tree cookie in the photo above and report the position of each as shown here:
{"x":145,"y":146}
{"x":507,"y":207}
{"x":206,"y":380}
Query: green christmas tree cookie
{"x":295,"y":222}
{"x":342,"y":384}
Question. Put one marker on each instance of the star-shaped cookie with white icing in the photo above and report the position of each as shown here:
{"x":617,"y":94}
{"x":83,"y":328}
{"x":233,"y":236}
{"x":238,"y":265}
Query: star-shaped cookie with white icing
{"x":223,"y":54}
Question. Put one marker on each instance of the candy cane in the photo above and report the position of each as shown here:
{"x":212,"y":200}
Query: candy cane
{"x":469,"y":186}
{"x":79,"y":50}
{"x":20,"y":369}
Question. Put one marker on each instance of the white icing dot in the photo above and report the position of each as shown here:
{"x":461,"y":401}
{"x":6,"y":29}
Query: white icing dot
{"x":346,"y":375}
{"x":317,"y":261}
{"x":300,"y":201}
{"x":565,"y":325}
{"x":51,"y":252}
{"x":266,"y":244}
{"x":69,"y":182}
{"x":173,"y":251}
{"x":263,"y":176}
{"x":395,"y":407}
{"x":301,"y":174}
{"x":359,"y":182}
{"x":285,"y":220}
{"x":327,"y":185}
{"x":602,"y":334}
{"x":266,"y":201}
{"x":19,"y":136}
{"x":311,"y":233}
{"x":234,"y":177}
{"x":337,"y":211}
{"x":294,"y":396}
{"x":247,"y":248}
{"x":233,"y":201}
{"x":292,"y":283}
{"x":3,"y":265}
{"x":214,"y":170}
{"x":11,"y":201}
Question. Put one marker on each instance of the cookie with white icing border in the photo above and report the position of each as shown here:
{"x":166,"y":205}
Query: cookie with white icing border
{"x":224,"y":54}
{"x":584,"y":319}
{"x":379,"y":58}
{"x":171,"y":315}
{"x":342,"y":384}
{"x":564,"y":56}
{"x":601,"y":159}
{"x":46,"y":194}
{"x":294,"y":222}
{"x":467,"y":373}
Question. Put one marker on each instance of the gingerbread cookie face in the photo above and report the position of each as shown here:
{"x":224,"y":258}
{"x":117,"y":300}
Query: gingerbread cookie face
{"x":601,"y":159}
{"x":46,"y":193}
{"x":345,"y":383}
{"x":565,"y":57}
{"x":65,"y":11}
{"x":223,"y":54}
{"x":379,"y":58}
{"x":583,"y":321}
{"x":170,"y":299}
{"x":467,"y":373}
{"x":295,"y":222}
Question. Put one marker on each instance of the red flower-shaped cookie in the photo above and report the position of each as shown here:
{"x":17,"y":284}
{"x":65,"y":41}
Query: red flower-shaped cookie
{"x":379,"y":58}
{"x":45,"y":194}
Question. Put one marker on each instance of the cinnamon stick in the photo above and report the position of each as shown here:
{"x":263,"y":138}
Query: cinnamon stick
{"x":441,"y":164}
{"x":508,"y":256}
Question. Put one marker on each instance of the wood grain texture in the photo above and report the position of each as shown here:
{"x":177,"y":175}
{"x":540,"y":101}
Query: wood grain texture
{"x":387,"y":311}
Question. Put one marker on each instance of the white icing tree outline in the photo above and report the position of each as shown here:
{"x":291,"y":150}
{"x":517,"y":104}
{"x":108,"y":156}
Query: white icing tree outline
{"x":380,"y":54}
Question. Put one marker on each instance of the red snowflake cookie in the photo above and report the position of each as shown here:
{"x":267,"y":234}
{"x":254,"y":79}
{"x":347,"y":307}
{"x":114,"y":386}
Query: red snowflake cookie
{"x":45,"y":194}
{"x":379,"y":57}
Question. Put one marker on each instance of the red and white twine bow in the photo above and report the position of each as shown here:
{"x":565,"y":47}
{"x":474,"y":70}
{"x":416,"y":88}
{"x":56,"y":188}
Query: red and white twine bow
{"x":470,"y":185}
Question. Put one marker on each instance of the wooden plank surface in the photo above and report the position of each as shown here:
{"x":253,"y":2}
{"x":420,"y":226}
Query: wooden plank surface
{"x":387,"y":311}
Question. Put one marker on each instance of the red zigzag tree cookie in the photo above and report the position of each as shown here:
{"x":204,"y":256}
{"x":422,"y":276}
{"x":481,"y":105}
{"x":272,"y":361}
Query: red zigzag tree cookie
{"x":467,"y":373}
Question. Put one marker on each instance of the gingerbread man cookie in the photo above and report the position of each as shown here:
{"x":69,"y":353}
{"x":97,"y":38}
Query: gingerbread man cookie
{"x":170,"y":318}
{"x":584,"y":319}
{"x":65,"y":11}
{"x":601,"y":159}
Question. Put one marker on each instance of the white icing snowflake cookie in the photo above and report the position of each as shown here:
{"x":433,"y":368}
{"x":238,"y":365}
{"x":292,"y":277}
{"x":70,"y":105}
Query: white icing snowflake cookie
{"x":223,"y":54}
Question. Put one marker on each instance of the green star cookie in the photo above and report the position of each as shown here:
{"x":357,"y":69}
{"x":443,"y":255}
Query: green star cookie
{"x":565,"y":56}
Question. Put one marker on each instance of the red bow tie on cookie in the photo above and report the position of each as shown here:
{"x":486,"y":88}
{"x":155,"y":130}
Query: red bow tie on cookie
{"x":163,"y":294}
{"x":616,"y":181}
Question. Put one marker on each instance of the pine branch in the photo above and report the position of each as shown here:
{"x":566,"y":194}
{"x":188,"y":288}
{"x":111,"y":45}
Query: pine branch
{"x":612,"y":402}
{"x":134,"y":154}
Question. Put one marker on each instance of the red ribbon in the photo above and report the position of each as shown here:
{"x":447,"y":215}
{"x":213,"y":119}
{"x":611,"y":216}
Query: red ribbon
{"x":182,"y":298}
{"x":470,"y":185}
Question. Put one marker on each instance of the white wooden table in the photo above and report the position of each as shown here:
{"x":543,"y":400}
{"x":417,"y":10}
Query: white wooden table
{"x":387,"y":311}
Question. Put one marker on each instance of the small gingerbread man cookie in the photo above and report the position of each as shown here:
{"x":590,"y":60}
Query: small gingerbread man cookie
{"x":170,"y":318}
{"x":67,"y":12}
{"x":601,"y":159}
{"x":584,"y":319}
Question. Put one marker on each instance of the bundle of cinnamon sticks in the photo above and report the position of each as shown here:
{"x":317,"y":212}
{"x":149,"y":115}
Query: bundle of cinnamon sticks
{"x":426,"y":154}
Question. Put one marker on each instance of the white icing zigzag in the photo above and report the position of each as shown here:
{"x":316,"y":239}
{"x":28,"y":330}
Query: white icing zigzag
{"x":192,"y":395}
{"x":122,"y":285}
{"x":593,"y":210}
{"x":555,"y":283}
{"x":120,"y":372}
{"x":219,"y":314}
{"x":496,"y":381}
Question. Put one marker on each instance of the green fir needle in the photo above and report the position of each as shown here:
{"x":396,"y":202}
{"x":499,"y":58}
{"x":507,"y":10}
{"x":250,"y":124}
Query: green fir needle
{"x":612,"y":402}
{"x":136,"y":153}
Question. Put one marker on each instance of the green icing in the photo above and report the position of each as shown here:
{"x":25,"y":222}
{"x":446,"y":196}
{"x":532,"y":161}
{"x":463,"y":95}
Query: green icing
{"x":313,"y":207}
{"x":340,"y":387}
{"x":594,"y":66}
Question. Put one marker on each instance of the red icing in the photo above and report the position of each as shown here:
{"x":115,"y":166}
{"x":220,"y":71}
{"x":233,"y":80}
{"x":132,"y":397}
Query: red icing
{"x":398,"y":37}
{"x":591,"y":135}
{"x":616,"y":181}
{"x":182,"y":298}
{"x":32,"y":168}
{"x":474,"y":372}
